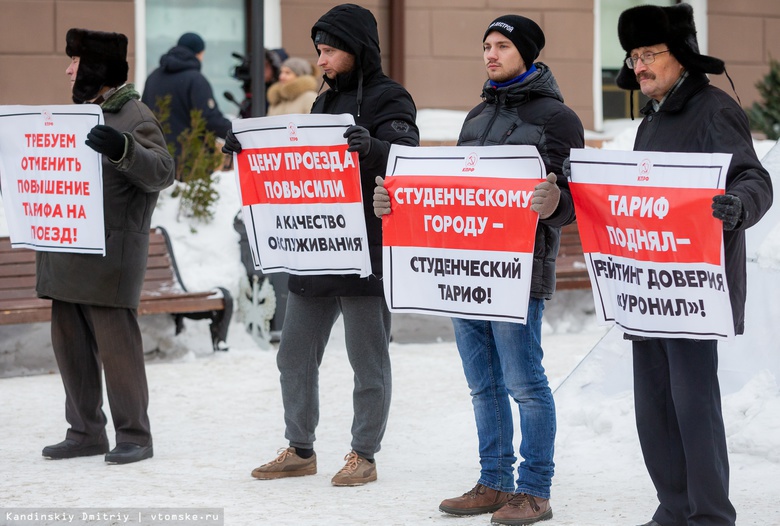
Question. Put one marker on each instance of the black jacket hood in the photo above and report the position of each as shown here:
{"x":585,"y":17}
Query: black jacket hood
{"x":356,"y":26}
{"x":179,"y":58}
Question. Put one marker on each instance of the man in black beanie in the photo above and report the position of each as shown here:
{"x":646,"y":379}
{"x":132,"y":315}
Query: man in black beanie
{"x":347,"y":41}
{"x":522,"y":105}
{"x":179,"y":77}
{"x":676,"y":389}
{"x":94,"y":325}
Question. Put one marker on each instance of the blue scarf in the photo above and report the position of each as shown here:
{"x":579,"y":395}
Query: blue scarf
{"x":519,"y":78}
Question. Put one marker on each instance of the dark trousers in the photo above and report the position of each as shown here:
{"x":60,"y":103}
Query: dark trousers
{"x":680,"y":425}
{"x":87,"y":340}
{"x":307,"y":327}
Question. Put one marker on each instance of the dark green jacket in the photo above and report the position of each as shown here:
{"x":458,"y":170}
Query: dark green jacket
{"x":130,"y":190}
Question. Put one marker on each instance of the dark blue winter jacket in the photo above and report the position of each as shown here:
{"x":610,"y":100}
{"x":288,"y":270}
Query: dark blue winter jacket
{"x":179,"y":75}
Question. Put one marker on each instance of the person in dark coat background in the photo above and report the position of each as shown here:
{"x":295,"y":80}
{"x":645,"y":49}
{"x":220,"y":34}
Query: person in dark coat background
{"x":502,"y":361}
{"x":676,"y":390}
{"x":179,"y":76}
{"x":94,"y":318}
{"x":347,"y":41}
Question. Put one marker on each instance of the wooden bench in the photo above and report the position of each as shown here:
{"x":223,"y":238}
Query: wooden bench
{"x":163,"y":290}
{"x":570,"y":270}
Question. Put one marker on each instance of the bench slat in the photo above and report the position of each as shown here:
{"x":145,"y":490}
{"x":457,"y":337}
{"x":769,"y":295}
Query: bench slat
{"x":162,"y":292}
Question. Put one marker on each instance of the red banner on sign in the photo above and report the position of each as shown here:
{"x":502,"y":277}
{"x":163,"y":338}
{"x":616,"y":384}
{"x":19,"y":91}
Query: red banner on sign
{"x":471,"y":213}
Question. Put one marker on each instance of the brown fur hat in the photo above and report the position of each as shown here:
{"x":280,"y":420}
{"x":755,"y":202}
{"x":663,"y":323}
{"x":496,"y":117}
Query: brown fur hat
{"x":102,"y":61}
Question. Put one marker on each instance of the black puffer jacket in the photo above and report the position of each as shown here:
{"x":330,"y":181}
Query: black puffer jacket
{"x":179,"y":76}
{"x":699,"y":117}
{"x":532,"y":113}
{"x":380,"y":105}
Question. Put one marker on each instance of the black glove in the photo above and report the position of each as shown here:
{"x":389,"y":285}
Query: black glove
{"x":359,"y":140}
{"x":231,"y":144}
{"x":107,"y":141}
{"x":566,"y":168}
{"x":727,"y":208}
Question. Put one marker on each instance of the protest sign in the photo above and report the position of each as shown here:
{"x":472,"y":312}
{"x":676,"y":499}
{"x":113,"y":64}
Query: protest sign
{"x":653,"y":250}
{"x":52,"y":182}
{"x":301,"y":195}
{"x":460,"y":238}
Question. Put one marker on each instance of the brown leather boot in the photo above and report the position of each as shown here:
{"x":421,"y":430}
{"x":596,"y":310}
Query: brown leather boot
{"x":523,"y":509}
{"x":480,"y":499}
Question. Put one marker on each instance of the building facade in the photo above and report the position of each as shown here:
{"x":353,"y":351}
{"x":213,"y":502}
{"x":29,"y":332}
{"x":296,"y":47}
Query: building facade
{"x":438,"y":42}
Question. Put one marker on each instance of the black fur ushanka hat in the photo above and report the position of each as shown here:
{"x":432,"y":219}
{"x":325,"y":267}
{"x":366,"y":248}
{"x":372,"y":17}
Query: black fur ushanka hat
{"x":649,"y":25}
{"x":102,"y":61}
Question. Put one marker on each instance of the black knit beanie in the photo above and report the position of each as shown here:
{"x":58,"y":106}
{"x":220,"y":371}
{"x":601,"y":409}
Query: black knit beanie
{"x":524,"y":33}
{"x":192,"y":41}
{"x":329,"y":39}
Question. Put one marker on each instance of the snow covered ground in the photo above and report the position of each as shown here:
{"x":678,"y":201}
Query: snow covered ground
{"x":216,"y":416}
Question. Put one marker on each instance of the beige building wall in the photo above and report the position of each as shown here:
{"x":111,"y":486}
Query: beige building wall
{"x":442,"y":42}
{"x":443,"y":45}
{"x":745,"y":35}
{"x":32,"y":44}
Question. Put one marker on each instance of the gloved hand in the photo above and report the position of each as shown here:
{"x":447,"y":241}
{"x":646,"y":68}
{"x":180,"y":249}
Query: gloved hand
{"x":546,"y":196}
{"x":566,"y":168}
{"x":727,"y":208}
{"x":381,"y":198}
{"x":107,"y":141}
{"x":359,"y":140}
{"x":231,"y":144}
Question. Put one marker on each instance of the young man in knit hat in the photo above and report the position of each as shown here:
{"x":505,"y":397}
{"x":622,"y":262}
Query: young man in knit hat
{"x":347,"y":41}
{"x":676,"y":390}
{"x":522,"y":105}
{"x":180,"y":77}
{"x":94,"y":326}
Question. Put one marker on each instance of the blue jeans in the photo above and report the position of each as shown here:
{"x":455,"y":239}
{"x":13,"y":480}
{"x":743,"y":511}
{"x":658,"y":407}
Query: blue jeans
{"x":502,"y":360}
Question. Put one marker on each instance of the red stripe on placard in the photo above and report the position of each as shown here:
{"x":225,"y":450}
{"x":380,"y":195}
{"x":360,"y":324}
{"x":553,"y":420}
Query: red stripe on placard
{"x":299,"y":175}
{"x":491,"y":213}
{"x":648,"y":224}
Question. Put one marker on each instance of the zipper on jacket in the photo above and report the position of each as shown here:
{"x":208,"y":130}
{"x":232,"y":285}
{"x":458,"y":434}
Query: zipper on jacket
{"x":508,"y":133}
{"x":492,"y":120}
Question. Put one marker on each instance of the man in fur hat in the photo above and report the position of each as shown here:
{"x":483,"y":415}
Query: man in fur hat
{"x":94,"y":324}
{"x":676,"y":390}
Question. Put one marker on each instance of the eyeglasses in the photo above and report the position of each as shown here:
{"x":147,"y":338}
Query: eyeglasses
{"x":646,"y":58}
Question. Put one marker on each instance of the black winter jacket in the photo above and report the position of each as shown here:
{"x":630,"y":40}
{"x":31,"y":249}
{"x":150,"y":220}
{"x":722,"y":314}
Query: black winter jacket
{"x":532,"y":113}
{"x":380,"y":105}
{"x":179,"y":76}
{"x":701,"y":118}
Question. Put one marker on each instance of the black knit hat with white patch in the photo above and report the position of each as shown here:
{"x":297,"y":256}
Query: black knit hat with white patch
{"x":524,"y":33}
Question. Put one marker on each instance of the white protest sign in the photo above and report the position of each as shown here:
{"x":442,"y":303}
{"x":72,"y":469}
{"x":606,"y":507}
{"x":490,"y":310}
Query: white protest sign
{"x":653,"y":250}
{"x":460,"y":238}
{"x":52,"y":183}
{"x":301,"y":195}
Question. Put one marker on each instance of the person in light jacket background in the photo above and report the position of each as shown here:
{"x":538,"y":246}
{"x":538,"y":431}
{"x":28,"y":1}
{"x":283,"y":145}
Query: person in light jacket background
{"x":295,"y":90}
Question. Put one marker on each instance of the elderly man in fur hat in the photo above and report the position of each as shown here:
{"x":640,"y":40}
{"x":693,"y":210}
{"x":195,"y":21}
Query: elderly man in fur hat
{"x":677,"y":396}
{"x":94,"y":324}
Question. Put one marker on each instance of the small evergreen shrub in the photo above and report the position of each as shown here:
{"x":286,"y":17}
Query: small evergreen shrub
{"x":765,"y":117}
